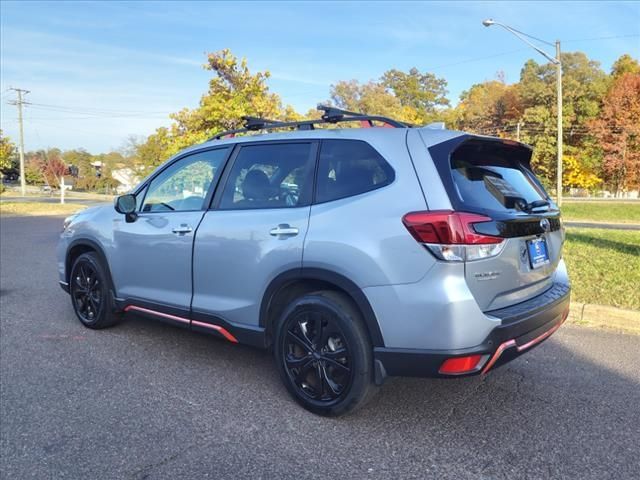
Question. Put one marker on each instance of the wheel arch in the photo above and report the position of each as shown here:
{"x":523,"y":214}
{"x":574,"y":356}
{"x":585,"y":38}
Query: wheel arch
{"x":84,"y":245}
{"x":293,"y":283}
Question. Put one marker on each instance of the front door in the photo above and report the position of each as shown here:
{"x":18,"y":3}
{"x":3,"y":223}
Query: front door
{"x":152,"y":260}
{"x":255,"y":231}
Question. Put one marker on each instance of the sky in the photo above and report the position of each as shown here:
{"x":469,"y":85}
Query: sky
{"x":98,"y":72}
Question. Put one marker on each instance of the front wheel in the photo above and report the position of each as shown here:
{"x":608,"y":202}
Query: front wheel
{"x":323,"y":353}
{"x":89,"y":289}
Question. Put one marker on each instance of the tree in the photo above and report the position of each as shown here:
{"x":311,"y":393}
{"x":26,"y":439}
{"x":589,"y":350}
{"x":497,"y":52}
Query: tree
{"x":32,"y":171}
{"x":371,"y":98}
{"x":7,"y":152}
{"x":576,"y":176}
{"x":625,"y":64}
{"x":618,"y":130}
{"x":584,"y":85}
{"x":154,"y":150}
{"x":51,"y":166}
{"x":489,"y":108}
{"x":412,"y":97}
{"x":233,"y":92}
{"x":423,"y":92}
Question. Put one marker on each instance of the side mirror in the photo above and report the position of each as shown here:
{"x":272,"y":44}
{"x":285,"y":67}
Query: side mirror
{"x":126,"y":204}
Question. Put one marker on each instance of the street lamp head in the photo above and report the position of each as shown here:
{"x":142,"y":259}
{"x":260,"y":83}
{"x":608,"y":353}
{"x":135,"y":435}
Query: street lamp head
{"x":488,"y":22}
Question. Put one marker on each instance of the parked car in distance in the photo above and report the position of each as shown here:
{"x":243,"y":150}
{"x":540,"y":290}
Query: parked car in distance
{"x":352,"y":253}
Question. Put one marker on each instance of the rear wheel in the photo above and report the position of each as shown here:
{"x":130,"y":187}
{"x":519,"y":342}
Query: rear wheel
{"x":323,"y":353}
{"x":89,"y":289}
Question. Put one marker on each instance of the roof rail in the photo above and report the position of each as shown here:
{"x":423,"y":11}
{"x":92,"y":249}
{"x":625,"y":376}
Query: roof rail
{"x":331,"y":115}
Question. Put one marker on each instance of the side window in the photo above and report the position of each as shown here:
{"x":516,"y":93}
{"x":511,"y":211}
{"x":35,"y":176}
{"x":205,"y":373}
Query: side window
{"x":270,"y":176}
{"x":350,"y":167}
{"x":184,"y":185}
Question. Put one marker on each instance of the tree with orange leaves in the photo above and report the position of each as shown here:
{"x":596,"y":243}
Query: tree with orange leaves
{"x":617,"y":129}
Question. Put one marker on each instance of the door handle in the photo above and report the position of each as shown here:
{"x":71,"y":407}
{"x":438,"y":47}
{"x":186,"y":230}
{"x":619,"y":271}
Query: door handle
{"x":182,"y":229}
{"x":284,"y":230}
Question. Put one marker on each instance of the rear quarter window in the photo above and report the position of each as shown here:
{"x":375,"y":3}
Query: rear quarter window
{"x":350,"y":167}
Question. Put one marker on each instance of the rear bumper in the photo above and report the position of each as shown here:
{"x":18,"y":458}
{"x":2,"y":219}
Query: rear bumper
{"x":522,"y":327}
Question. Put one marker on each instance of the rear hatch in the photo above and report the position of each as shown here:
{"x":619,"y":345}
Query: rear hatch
{"x":492,"y":178}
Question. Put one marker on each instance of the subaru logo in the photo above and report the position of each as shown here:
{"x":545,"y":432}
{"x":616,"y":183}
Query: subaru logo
{"x":545,"y":225}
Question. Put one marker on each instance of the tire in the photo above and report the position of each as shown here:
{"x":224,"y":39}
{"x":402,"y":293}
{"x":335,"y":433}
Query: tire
{"x":328,"y":371}
{"x":89,"y":286}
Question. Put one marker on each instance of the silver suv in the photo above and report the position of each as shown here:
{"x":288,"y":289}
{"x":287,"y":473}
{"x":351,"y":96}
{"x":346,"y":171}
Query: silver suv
{"x":352,"y":253}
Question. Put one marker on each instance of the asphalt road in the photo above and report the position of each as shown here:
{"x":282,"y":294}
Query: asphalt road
{"x":144,"y":400}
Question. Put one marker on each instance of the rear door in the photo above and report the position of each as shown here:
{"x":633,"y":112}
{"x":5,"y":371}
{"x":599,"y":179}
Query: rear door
{"x":493,"y":178}
{"x":254,"y":231}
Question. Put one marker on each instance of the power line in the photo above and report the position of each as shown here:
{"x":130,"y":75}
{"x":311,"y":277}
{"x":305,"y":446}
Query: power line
{"x":94,"y":110}
{"x":602,"y":38}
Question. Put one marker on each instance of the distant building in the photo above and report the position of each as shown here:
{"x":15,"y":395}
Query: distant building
{"x":127,"y":178}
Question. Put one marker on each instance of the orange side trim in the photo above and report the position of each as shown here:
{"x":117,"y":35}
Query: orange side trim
{"x":222,"y":331}
{"x":157,"y":314}
{"x":512,"y":343}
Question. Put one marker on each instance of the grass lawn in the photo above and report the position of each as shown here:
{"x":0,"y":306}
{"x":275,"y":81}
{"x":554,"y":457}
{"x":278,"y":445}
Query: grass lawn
{"x":39,"y":208}
{"x":604,"y":266}
{"x":611,"y":211}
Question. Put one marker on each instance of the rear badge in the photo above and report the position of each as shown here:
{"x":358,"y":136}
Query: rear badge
{"x":545,"y":225}
{"x":486,"y":276}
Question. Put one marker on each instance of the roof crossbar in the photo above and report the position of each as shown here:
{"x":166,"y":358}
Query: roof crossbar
{"x":331,"y":115}
{"x":257,"y":123}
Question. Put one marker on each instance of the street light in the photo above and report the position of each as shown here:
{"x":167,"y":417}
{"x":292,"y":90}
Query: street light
{"x":556,"y":61}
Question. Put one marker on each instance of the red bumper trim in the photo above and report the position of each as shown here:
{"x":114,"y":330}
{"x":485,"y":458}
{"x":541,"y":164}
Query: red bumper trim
{"x":512,"y":343}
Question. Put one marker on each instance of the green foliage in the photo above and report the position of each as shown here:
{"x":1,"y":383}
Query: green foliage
{"x":7,"y":152}
{"x":423,"y":92}
{"x":489,"y":108}
{"x":32,"y":171}
{"x":233,"y":92}
{"x":493,"y":108}
{"x":412,"y":97}
{"x":625,"y":64}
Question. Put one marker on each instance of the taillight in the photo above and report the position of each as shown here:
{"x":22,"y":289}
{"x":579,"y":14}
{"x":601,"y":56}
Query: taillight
{"x":450,"y":235}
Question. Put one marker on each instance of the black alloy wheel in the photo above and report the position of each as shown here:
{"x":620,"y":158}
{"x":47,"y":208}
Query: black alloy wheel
{"x":86,"y":291}
{"x":316,"y":356}
{"x":89,"y":289}
{"x":323,"y":353}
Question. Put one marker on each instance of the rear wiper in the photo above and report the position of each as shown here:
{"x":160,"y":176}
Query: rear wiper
{"x":528,"y":207}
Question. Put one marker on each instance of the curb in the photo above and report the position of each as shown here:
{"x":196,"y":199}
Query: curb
{"x":602,"y":316}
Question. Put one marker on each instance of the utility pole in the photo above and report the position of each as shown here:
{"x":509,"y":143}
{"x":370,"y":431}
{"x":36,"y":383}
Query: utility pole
{"x":518,"y":130}
{"x":557,"y":62}
{"x":62,"y":188}
{"x":19,"y":103}
{"x":559,"y":95}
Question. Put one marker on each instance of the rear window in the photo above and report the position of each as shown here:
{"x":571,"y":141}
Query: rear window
{"x":350,"y":167}
{"x":491,"y":175}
